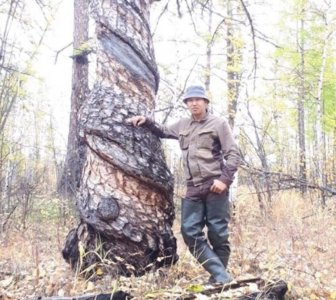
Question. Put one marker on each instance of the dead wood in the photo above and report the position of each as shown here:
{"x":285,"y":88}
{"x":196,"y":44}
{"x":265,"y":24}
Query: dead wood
{"x":119,"y":295}
{"x":283,"y":181}
{"x":268,"y":291}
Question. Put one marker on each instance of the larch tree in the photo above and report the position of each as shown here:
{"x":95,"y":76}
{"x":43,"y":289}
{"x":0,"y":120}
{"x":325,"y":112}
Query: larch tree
{"x":301,"y":100}
{"x":70,"y":179}
{"x":233,"y":57}
{"x":24,"y":28}
{"x":208,"y":50}
{"x":125,"y":197}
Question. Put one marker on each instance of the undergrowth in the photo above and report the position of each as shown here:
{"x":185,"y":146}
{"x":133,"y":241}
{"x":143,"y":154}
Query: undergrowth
{"x":293,"y":239}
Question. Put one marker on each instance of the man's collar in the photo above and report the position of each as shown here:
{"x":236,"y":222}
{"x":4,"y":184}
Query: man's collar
{"x":200,"y":121}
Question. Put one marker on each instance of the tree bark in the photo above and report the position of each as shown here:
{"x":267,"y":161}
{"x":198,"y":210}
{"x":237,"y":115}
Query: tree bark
{"x":232,"y":57}
{"x":320,"y":143}
{"x":301,"y":109}
{"x":70,"y":180}
{"x":320,"y":138}
{"x":333,"y":151}
{"x":208,"y":51}
{"x":125,"y":200}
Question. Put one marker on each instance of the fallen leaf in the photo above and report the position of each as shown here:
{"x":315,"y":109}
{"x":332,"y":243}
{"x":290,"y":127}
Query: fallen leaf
{"x":6,"y":282}
{"x":99,"y":272}
{"x":195,"y":288}
{"x":90,"y":286}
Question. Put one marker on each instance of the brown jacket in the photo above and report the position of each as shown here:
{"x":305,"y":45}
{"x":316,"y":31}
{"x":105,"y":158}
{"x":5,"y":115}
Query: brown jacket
{"x":204,"y":144}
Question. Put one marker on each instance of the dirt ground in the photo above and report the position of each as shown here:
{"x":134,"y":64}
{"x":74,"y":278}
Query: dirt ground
{"x":292,"y":240}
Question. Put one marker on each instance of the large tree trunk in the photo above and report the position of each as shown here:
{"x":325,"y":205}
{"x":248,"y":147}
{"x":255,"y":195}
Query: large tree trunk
{"x":125,"y":199}
{"x":70,"y":180}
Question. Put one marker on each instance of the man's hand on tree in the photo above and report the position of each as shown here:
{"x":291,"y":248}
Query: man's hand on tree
{"x":137,"y":121}
{"x":218,"y":187}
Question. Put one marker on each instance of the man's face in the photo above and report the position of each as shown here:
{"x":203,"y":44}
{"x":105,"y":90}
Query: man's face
{"x":197,"y":106}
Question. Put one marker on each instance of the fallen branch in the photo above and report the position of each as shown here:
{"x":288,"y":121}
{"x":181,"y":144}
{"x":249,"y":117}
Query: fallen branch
{"x":268,"y":291}
{"x":287,"y":181}
{"x":119,"y":295}
{"x":274,"y":290}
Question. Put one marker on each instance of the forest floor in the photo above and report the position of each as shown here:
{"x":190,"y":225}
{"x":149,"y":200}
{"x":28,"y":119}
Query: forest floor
{"x":293,"y":240}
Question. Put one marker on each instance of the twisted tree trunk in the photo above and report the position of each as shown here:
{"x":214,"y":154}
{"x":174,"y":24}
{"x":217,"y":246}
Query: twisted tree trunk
{"x":125,"y":198}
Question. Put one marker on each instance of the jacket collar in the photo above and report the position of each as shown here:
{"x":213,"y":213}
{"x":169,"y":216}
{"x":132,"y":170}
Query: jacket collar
{"x":206,"y":116}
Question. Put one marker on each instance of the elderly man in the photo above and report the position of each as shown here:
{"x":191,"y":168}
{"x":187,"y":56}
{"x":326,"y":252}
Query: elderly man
{"x":210,"y":159}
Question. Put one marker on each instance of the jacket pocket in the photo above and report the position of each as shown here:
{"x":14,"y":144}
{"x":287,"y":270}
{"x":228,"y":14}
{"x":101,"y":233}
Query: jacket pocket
{"x":184,"y":139}
{"x":206,"y":139}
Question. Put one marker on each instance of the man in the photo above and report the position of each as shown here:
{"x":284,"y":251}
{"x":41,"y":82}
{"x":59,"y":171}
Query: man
{"x":204,"y":140}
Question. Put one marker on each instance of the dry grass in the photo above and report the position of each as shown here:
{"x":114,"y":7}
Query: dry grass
{"x":293,"y":240}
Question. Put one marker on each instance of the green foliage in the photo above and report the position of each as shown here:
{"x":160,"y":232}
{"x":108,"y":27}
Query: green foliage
{"x":45,"y":209}
{"x":83,"y":50}
{"x":314,"y":34}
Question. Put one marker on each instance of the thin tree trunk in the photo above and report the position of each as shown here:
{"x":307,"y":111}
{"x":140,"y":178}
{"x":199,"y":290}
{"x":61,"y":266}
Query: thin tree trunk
{"x":76,"y":149}
{"x":232,"y":57}
{"x":209,"y":51}
{"x":260,"y":150}
{"x":301,"y":110}
{"x":333,"y":176}
{"x":320,"y":135}
{"x":126,"y":193}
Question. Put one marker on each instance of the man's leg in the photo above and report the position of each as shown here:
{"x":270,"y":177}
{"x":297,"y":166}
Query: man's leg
{"x":193,"y":221}
{"x":217,"y":221}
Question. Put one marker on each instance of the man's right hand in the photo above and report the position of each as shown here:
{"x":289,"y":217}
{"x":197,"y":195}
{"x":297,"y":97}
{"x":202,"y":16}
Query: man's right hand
{"x":137,"y":121}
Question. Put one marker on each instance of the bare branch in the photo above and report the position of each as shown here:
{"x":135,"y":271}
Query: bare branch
{"x":253,"y":40}
{"x":191,"y":17}
{"x":180,"y":94}
{"x":62,"y":49}
{"x":286,"y":181}
{"x":159,"y":18}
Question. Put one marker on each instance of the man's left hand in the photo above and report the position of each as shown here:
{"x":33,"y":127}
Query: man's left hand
{"x":218,"y":187}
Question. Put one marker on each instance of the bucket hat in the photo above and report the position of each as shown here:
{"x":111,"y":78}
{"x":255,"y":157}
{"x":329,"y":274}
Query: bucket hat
{"x":195,"y":91}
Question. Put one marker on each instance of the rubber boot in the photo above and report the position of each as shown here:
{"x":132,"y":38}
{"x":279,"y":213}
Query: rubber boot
{"x":217,"y":221}
{"x":193,"y":222}
{"x":211,"y":262}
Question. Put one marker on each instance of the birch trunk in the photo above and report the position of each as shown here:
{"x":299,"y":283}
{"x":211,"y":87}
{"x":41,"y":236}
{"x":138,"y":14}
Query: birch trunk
{"x":320,"y":135}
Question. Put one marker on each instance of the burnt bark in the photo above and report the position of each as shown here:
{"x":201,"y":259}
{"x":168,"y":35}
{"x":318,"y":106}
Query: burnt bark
{"x":125,"y":197}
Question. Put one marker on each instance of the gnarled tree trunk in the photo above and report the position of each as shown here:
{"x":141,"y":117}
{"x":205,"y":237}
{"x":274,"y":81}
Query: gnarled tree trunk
{"x":125,"y":198}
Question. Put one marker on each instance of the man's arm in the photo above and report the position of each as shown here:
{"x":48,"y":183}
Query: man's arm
{"x":230,"y":153}
{"x":162,"y":131}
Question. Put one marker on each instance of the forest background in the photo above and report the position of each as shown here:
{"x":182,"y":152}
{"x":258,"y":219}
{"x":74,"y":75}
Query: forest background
{"x":269,"y":67}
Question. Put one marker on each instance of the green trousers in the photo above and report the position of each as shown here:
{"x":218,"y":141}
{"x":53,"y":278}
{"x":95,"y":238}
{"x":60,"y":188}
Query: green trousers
{"x":211,"y":210}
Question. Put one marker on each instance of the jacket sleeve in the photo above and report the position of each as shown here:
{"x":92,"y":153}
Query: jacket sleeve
{"x":230,"y":153}
{"x":163,"y":131}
